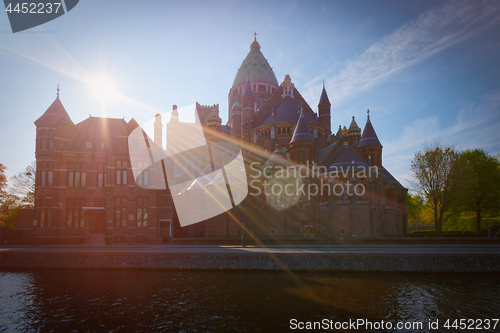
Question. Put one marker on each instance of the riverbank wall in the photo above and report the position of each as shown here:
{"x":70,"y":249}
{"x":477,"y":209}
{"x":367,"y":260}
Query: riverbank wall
{"x":331,"y":262}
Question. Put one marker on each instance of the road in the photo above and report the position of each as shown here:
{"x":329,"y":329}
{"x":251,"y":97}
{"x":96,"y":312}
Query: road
{"x":306,"y":249}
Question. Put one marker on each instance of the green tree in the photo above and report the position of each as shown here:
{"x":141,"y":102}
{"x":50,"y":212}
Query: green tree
{"x":480,"y":184}
{"x":415,"y":205}
{"x":433,"y":169}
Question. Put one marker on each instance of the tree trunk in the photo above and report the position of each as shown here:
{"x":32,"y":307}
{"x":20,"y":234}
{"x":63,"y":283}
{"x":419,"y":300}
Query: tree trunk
{"x":478,"y":217}
{"x":437,"y":222}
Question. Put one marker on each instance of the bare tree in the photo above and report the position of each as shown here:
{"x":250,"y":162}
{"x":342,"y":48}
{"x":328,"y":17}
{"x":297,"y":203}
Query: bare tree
{"x":3,"y":179}
{"x":433,"y":169}
{"x":23,"y":185}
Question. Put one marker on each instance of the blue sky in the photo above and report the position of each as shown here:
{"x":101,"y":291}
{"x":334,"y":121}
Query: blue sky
{"x":425,"y":69}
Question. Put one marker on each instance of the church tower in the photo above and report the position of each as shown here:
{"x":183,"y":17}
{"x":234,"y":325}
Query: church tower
{"x":302,"y":143}
{"x":369,"y":145}
{"x":247,"y":112}
{"x":53,"y":129}
{"x":324,"y":108}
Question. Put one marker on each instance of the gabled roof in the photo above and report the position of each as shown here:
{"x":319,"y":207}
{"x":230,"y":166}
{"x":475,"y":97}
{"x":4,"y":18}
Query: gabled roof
{"x":302,"y":132}
{"x":369,"y":137}
{"x":324,"y":97}
{"x":325,"y":153}
{"x":275,"y":99}
{"x":286,"y":111}
{"x":105,"y":129}
{"x":226,"y":129}
{"x":388,"y":178}
{"x":276,"y":159}
{"x":255,"y":68}
{"x":56,"y":113}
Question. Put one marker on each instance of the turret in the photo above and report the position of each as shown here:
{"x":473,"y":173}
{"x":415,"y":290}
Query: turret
{"x":236,"y":120}
{"x":54,"y":128}
{"x":302,"y":143}
{"x":247,"y":111}
{"x":324,"y":108}
{"x":354,"y":131}
{"x":214,"y":122}
{"x":369,"y":145}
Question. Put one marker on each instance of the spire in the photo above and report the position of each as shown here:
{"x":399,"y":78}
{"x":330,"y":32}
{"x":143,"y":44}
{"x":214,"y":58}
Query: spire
{"x":255,"y":44}
{"x":302,"y":132}
{"x":354,"y":126}
{"x":324,"y":96}
{"x":354,"y":130}
{"x":55,"y":113}
{"x":339,"y":132}
{"x":248,"y":89}
{"x":369,"y":137}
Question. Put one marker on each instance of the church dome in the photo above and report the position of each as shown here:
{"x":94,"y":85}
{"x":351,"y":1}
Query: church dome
{"x":255,"y":68}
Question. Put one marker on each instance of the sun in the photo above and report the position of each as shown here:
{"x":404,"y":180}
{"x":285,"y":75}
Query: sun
{"x":102,"y":87}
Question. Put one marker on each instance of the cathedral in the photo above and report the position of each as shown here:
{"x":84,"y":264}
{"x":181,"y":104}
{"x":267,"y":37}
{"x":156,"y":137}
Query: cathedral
{"x":276,"y":128}
{"x":88,"y":189}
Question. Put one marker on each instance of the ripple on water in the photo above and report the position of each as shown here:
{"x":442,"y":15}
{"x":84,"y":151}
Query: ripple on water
{"x":144,"y":301}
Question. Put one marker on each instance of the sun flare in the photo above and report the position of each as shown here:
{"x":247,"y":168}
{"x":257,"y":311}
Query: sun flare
{"x":102,"y":87}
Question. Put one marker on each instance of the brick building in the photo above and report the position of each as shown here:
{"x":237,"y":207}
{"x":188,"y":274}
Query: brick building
{"x":86,"y":191}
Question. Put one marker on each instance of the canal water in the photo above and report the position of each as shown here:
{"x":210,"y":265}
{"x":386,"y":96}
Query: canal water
{"x":195,"y":301}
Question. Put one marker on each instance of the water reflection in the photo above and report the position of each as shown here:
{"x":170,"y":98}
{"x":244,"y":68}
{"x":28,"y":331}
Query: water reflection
{"x":145,"y":301}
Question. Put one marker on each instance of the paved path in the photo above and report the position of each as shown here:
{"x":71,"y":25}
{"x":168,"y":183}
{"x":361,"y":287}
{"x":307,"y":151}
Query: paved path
{"x":306,"y":249}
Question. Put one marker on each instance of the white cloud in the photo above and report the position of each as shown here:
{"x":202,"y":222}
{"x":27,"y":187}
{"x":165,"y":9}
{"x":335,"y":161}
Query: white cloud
{"x":432,"y":32}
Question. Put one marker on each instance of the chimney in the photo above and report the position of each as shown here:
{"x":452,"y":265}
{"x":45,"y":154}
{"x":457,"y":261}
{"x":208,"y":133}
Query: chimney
{"x":158,"y":132}
{"x":175,"y":114}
